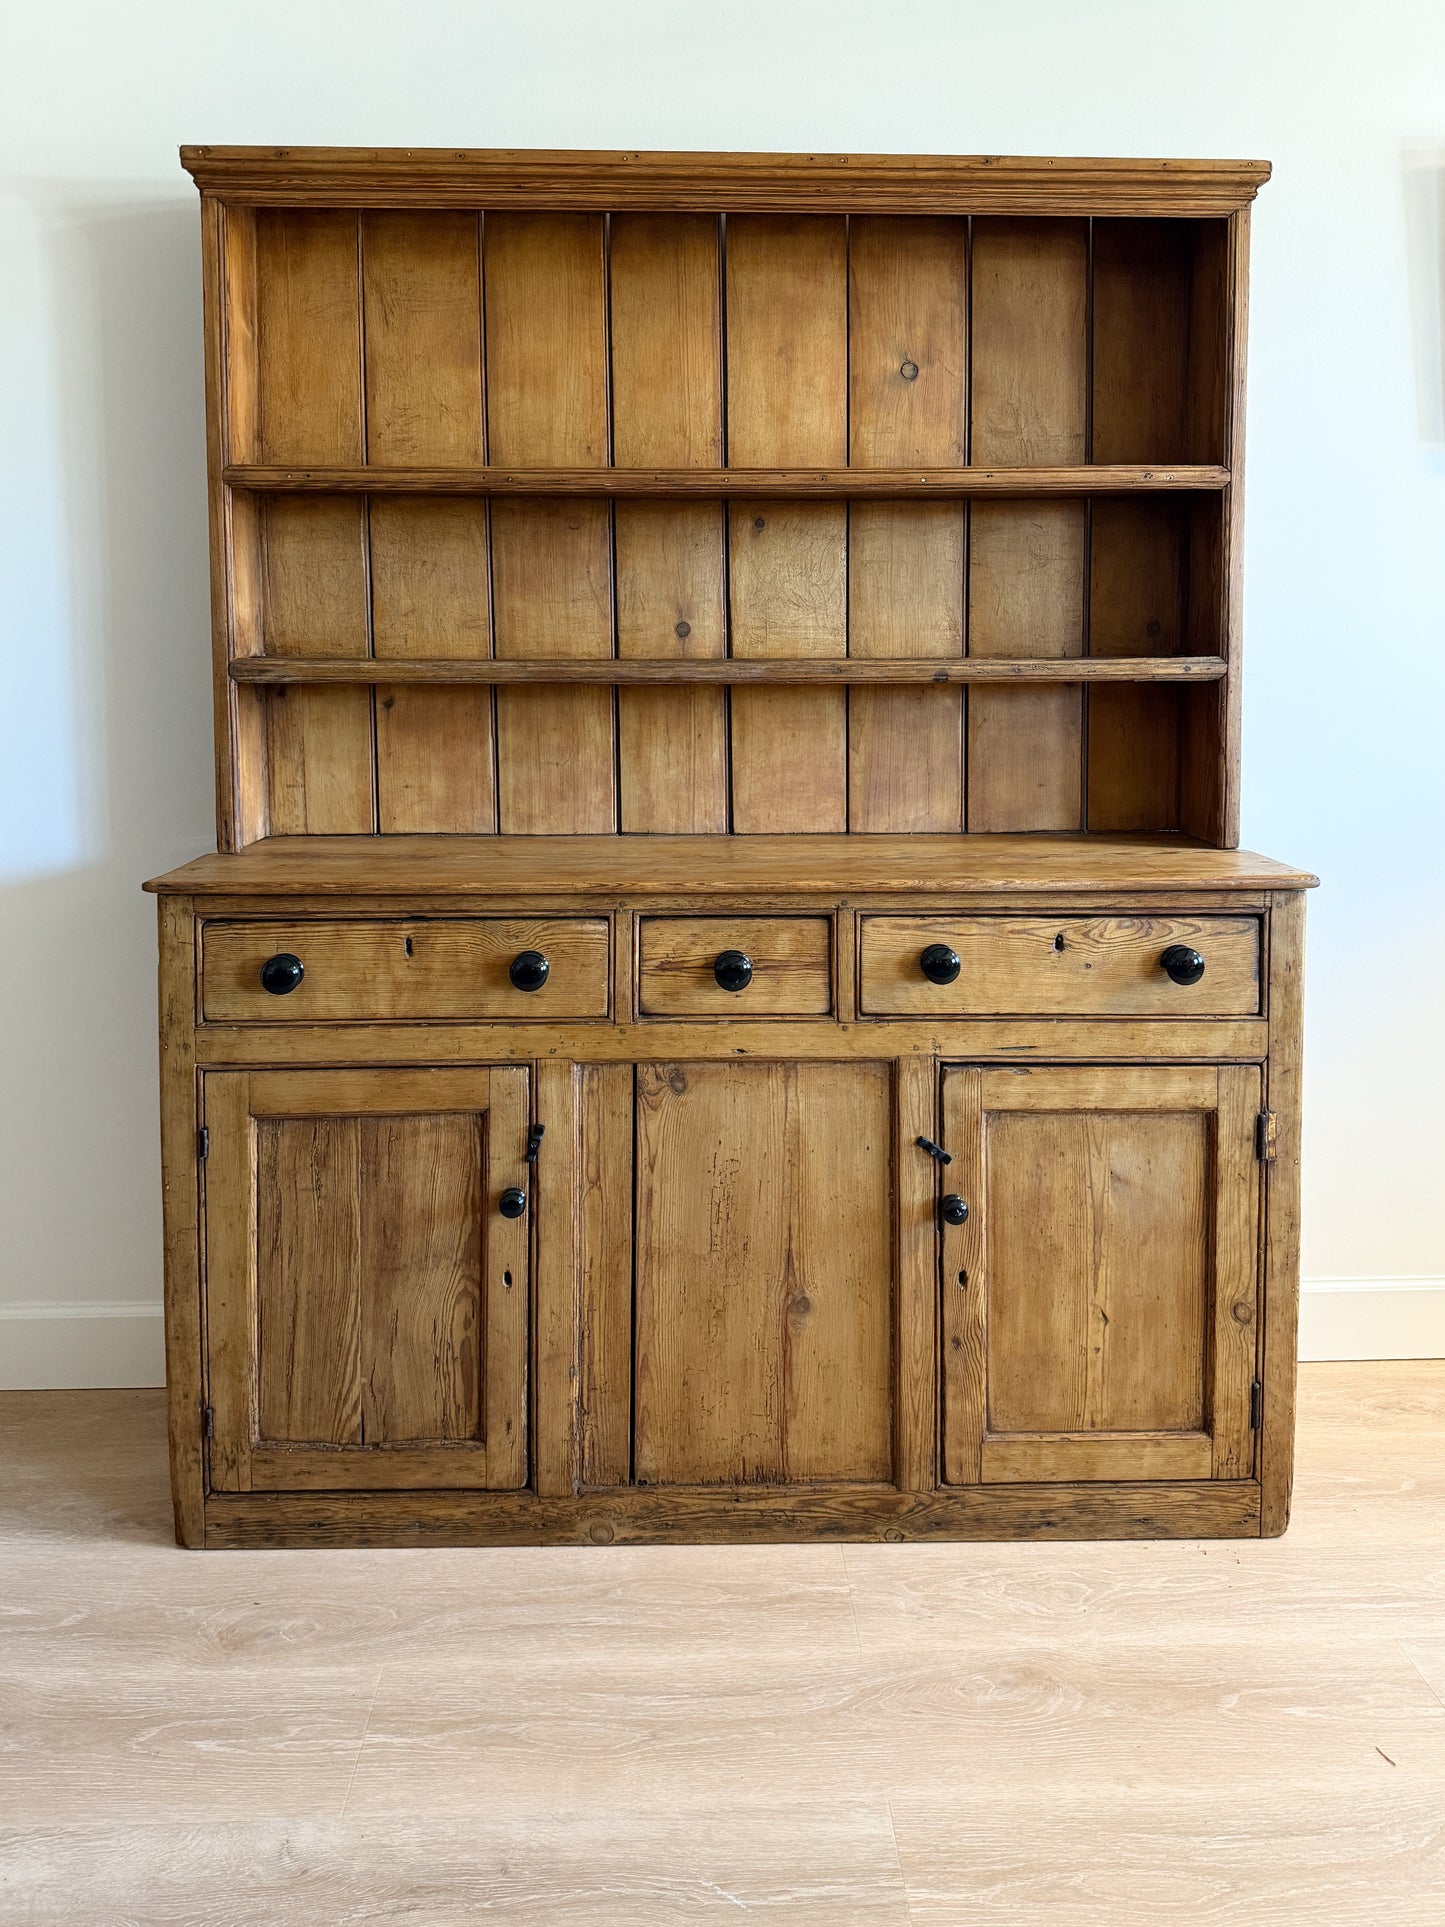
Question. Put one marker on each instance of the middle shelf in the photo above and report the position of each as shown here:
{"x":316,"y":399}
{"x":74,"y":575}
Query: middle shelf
{"x":611,"y":670}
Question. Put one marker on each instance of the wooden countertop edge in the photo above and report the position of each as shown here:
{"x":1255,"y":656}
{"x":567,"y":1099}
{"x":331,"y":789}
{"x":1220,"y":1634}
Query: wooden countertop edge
{"x":722,"y":866}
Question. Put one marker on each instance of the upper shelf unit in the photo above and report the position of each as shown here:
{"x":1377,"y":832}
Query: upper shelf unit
{"x":713,"y":493}
{"x":485,"y":352}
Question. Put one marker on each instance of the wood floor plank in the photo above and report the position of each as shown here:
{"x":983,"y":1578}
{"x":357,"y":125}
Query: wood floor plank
{"x":1294,"y":1860}
{"x":807,"y":1868}
{"x":1244,"y":1733}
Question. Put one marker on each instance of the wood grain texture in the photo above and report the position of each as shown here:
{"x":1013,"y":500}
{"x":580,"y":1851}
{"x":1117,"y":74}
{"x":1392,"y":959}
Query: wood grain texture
{"x":859,"y":183}
{"x":408,"y":968}
{"x":787,"y":402}
{"x":791,"y":958}
{"x":421,"y":1310}
{"x":181,"y":1216}
{"x":359,"y":1336}
{"x":308,"y":1280}
{"x":666,"y":296}
{"x":813,"y":482}
{"x":1026,"y":597}
{"x":1045,"y":965}
{"x":430,"y":576}
{"x":1026,"y":561}
{"x":764,"y":1273}
{"x":604,"y":1392}
{"x":1282,"y":1213}
{"x":688,"y":866}
{"x":547,"y":385}
{"x":556,"y":1215}
{"x":308,"y":336}
{"x":775,"y":672}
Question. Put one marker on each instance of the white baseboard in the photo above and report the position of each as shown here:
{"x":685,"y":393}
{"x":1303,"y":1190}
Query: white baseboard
{"x":91,"y":1343}
{"x":81,"y":1344}
{"x":1372,"y":1318}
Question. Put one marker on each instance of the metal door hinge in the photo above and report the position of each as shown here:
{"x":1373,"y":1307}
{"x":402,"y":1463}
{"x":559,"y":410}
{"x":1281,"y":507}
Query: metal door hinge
{"x":1256,"y":1406}
{"x":203,"y":1143}
{"x":1266,"y":1137}
{"x":208,"y":1421}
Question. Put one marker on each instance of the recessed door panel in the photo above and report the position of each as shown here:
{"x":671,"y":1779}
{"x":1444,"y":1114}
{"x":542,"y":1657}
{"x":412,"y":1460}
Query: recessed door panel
{"x":367,"y":1296}
{"x":1100,"y":1297}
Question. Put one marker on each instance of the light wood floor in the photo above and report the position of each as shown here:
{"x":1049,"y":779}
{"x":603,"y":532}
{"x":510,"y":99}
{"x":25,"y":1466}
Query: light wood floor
{"x":1071,"y":1734}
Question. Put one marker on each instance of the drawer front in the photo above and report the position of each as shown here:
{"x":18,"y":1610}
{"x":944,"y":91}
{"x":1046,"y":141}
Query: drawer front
{"x":1036,"y":966}
{"x":791,"y":962}
{"x":385,"y":970}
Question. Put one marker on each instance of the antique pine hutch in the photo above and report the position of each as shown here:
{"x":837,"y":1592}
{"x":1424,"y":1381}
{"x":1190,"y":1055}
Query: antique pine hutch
{"x":727,"y":1005}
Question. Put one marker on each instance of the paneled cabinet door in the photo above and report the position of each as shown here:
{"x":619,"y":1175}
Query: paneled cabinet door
{"x":764,"y":1273}
{"x":1100,"y":1298}
{"x":366,"y":1300}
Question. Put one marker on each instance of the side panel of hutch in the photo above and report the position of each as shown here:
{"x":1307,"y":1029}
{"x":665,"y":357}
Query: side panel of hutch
{"x":727,"y":1004}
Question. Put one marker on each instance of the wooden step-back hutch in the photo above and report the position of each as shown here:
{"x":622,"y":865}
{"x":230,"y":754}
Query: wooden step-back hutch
{"x":727,"y":1004}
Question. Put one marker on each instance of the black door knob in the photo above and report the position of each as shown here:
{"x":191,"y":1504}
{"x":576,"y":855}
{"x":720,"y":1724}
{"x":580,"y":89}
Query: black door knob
{"x":733,"y":970}
{"x":281,"y":974}
{"x":1181,"y":964}
{"x":939,"y":964}
{"x":513,"y":1201}
{"x":529,"y":970}
{"x":953,"y":1209}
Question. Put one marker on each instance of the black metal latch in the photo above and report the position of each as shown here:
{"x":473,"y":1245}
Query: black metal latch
{"x":935,"y":1150}
{"x":534,"y":1143}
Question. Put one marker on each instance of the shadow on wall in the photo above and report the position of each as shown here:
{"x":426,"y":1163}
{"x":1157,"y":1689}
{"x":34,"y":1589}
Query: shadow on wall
{"x":1425,"y":246}
{"x":109,"y":777}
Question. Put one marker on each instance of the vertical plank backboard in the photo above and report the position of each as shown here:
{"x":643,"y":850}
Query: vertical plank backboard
{"x":546,"y":385}
{"x":1029,"y":405}
{"x":309,"y":409}
{"x":787,"y":405}
{"x":907,"y":363}
{"x":666,"y":297}
{"x":1138,"y":576}
{"x":421,"y":277}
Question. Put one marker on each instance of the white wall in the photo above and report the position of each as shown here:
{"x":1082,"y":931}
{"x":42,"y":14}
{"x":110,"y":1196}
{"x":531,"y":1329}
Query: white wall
{"x":104,"y":714}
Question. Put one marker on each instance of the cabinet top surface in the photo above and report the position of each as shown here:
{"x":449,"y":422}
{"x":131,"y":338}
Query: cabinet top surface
{"x":702,"y":866}
{"x":584,"y":178}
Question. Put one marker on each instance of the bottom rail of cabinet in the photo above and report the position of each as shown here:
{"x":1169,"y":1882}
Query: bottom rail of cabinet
{"x":1207,"y":1509}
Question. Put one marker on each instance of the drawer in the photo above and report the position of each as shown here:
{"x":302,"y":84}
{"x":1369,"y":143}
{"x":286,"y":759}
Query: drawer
{"x":789,"y":959}
{"x":383,"y":970}
{"x":1036,"y":966}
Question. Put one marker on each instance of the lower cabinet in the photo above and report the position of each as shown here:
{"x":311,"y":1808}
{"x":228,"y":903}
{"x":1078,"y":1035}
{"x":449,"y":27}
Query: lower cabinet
{"x":1100,"y":1298}
{"x":750,"y":1240}
{"x":366,"y":1297}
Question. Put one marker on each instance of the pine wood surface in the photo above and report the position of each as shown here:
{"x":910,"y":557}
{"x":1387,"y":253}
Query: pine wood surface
{"x":693,"y":866}
{"x":535,"y":177}
{"x":924,"y":479}
{"x":1198,"y":1731}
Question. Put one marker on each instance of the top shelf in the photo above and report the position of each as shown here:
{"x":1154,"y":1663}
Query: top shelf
{"x":1093,"y":479}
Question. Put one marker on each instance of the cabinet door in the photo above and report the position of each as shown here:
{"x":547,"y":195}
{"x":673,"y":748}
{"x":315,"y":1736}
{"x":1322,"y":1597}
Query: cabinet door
{"x":764,"y":1273}
{"x":1099,"y":1301}
{"x":366,"y":1301}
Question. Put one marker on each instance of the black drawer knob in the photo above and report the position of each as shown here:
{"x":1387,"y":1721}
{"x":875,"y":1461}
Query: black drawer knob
{"x":513,"y":1201}
{"x":529,"y":970}
{"x":1181,"y":964}
{"x":939,"y":964}
{"x":733,"y":970}
{"x":281,"y":974}
{"x":953,"y":1209}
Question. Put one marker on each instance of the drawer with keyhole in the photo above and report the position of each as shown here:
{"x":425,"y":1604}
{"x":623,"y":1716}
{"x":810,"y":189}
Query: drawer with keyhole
{"x":385,"y":970}
{"x":1037,"y":966}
